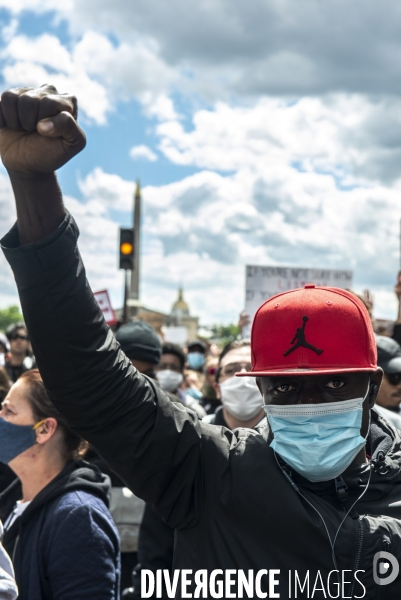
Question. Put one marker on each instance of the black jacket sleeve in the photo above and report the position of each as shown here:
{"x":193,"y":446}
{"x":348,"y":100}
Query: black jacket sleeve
{"x":154,"y":445}
{"x":155,"y":549}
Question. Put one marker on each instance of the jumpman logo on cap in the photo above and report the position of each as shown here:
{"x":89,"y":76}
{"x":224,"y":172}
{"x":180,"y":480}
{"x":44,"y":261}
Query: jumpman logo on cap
{"x":299,"y":337}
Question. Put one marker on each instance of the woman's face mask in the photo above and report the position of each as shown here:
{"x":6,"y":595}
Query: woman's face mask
{"x":15,"y":439}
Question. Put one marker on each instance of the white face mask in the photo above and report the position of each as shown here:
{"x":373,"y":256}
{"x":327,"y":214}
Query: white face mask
{"x":169,"y":380}
{"x":241,"y":397}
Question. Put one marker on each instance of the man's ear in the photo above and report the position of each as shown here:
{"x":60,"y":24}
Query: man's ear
{"x":375,"y":381}
{"x":216,"y":387}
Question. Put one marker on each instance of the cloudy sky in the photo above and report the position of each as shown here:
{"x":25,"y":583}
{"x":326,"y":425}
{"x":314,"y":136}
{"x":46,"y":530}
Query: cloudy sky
{"x":264,"y":132}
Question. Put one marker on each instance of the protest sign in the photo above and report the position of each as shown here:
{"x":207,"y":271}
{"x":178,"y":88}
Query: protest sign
{"x":261,"y":283}
{"x":103,"y":299}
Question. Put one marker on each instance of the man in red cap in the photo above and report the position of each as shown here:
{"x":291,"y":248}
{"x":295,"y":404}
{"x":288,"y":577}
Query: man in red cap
{"x":307,"y":506}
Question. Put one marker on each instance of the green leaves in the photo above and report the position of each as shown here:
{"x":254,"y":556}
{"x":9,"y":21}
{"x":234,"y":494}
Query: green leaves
{"x":9,"y":315}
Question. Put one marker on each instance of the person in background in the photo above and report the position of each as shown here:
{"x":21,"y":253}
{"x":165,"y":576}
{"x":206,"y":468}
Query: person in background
{"x":192,"y":384}
{"x":58,"y":530}
{"x":196,"y":355}
{"x":242,"y":405}
{"x":389,"y":359}
{"x":397,"y":325}
{"x":170,"y":375}
{"x":8,"y":587}
{"x":19,"y":360}
{"x":139,"y":341}
{"x":4,"y":349}
{"x":209,"y":400}
{"x":6,"y":474}
{"x":5,"y":384}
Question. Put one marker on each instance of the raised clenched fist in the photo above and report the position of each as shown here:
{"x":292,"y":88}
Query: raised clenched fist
{"x":38,"y":130}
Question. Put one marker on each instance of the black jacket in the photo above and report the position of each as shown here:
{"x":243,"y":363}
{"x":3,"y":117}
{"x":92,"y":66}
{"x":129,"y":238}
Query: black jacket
{"x":232,"y":505}
{"x":65,"y":545}
{"x":156,"y":539}
{"x":217,"y":418}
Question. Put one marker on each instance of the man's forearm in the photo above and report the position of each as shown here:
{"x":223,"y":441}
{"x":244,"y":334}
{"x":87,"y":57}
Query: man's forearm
{"x":39,"y":203}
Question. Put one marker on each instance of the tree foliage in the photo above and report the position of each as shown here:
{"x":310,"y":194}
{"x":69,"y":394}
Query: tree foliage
{"x":223,"y":334}
{"x":9,"y":315}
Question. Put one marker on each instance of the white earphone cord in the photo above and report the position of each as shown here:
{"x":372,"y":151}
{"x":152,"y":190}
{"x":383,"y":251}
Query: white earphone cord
{"x":332,"y":544}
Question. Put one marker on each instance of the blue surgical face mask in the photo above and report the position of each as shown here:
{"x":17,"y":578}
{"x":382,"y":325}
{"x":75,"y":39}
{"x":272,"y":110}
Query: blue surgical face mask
{"x":194,"y":393}
{"x":15,"y":439}
{"x":318,"y":441}
{"x":196,"y":360}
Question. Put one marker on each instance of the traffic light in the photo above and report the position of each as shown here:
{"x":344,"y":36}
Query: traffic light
{"x":126,"y":249}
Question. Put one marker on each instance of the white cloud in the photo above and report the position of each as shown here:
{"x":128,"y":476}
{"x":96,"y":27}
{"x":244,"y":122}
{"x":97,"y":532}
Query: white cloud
{"x":203,"y":229}
{"x":143,"y":151}
{"x":311,"y":182}
{"x":230,"y":47}
{"x":133,"y":70}
{"x":33,"y":62}
{"x":161,"y":107}
{"x":46,"y":50}
{"x":290,"y":196}
{"x":40,"y":6}
{"x":99,"y":73}
{"x":9,"y":31}
{"x":353,"y":137}
{"x":7,"y":218}
{"x":98,"y":245}
{"x":108,"y":189}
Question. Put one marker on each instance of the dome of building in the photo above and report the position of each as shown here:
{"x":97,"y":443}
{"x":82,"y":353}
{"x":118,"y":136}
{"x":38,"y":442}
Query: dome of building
{"x":180,"y":307}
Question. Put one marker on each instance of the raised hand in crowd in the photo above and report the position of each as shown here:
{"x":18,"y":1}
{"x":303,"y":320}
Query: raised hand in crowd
{"x":38,"y":134}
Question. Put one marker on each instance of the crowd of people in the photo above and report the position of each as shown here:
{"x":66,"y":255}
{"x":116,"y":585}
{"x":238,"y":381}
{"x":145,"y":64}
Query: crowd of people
{"x":272,"y":466}
{"x":65,"y":493}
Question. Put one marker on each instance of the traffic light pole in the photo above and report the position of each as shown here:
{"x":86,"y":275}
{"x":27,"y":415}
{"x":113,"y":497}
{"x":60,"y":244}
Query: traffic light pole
{"x":126,"y":293}
{"x":126,"y":262}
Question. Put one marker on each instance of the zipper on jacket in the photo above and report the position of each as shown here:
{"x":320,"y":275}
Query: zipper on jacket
{"x":358,"y":553}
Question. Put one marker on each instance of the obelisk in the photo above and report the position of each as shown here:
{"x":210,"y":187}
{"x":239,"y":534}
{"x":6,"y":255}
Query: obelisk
{"x":134,"y":290}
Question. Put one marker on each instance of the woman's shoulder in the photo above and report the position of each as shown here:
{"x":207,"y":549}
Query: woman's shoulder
{"x":78,"y":502}
{"x":79,"y":486}
{"x":78,"y":514}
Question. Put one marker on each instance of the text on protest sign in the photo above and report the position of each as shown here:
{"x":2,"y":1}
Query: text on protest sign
{"x":261,"y":283}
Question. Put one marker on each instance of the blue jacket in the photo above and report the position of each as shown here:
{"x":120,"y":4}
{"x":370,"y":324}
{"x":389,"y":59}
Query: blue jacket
{"x":65,"y":545}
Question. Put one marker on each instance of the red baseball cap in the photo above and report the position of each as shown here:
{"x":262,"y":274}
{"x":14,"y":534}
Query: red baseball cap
{"x":312,"y":330}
